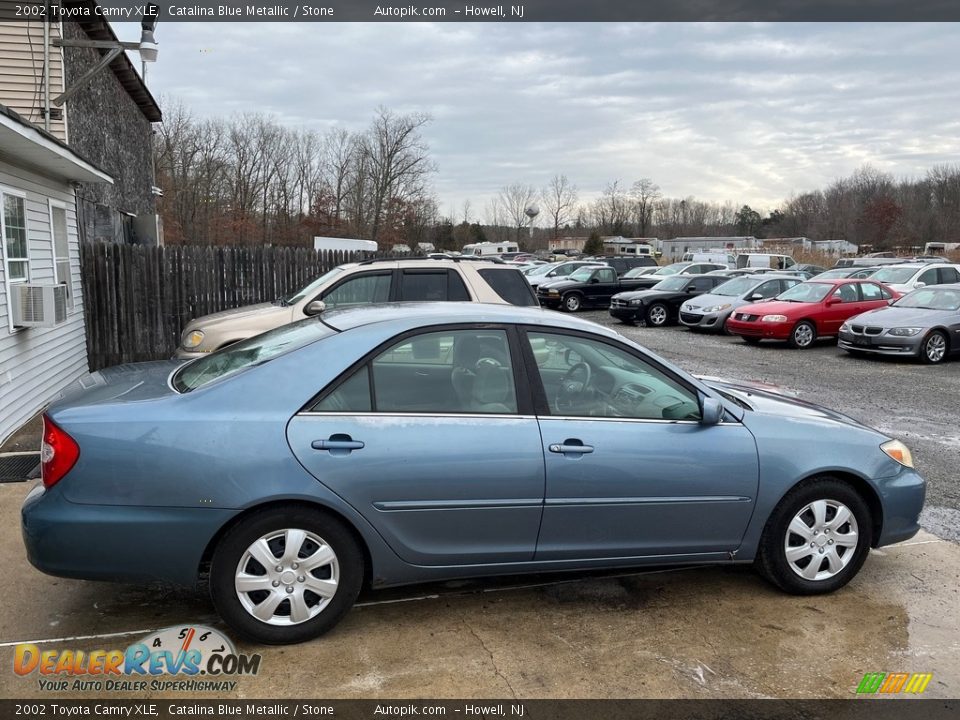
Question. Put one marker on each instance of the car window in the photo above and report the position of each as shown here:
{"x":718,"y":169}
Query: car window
{"x":588,"y":378}
{"x":787,"y":284}
{"x":363,"y":289}
{"x":607,"y":275}
{"x":462,"y":371}
{"x":949,"y":275}
{"x":885,"y":293}
{"x":510,"y":286}
{"x":351,"y":395}
{"x":928,"y":277}
{"x":846,"y":293}
{"x":432,"y":286}
{"x":769,"y":289}
{"x":869,"y":291}
{"x":703,"y":284}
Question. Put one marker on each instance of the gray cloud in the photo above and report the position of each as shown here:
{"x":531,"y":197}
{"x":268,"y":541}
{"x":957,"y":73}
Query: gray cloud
{"x":741,"y":112}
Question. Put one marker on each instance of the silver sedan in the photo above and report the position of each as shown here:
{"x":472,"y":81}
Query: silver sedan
{"x":923,"y":324}
{"x":711,"y":310}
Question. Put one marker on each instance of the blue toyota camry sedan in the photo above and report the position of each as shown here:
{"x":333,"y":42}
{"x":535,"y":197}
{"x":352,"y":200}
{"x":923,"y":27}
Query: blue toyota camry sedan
{"x":403,"y":444}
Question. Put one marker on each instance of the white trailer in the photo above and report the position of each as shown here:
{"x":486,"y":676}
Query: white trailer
{"x":344,"y":244}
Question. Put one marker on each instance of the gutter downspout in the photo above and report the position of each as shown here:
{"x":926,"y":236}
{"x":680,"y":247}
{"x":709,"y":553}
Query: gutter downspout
{"x":46,"y":65}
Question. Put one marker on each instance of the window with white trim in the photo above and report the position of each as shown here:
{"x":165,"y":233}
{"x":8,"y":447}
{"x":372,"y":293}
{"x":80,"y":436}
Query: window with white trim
{"x":13,"y":227}
{"x":61,"y":249}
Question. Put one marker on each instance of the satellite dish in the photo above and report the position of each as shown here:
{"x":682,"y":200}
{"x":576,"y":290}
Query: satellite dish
{"x":532,"y":211}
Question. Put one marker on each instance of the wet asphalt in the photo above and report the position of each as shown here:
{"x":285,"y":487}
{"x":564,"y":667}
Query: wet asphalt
{"x":918,"y":404}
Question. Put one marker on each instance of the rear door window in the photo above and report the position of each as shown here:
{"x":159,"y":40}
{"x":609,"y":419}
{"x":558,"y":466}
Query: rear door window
{"x":870,"y":292}
{"x":949,"y":275}
{"x":510,"y":285}
{"x":431,"y":286}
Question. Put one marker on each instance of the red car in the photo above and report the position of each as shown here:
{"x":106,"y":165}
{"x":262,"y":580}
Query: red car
{"x":812,"y":309}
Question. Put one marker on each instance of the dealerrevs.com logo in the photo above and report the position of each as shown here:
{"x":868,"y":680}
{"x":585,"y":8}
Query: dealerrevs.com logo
{"x":189,"y":658}
{"x":894,"y":683}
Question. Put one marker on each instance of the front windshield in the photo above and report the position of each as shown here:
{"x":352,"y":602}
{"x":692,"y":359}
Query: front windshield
{"x":930,"y":299}
{"x":538,"y":270}
{"x":806,"y":292}
{"x":582,"y":275}
{"x":248,"y":353}
{"x":311,"y":289}
{"x":893,"y":275}
{"x":737,"y":286}
{"x":672,"y":284}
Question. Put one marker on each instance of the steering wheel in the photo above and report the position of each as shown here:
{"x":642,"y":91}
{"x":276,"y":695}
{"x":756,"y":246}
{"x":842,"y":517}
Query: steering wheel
{"x":571,"y":389}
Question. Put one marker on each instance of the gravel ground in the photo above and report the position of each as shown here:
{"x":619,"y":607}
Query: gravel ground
{"x":916,"y":403}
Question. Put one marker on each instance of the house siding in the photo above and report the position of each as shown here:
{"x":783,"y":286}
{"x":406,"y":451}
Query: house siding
{"x":37,"y":363}
{"x":120,"y":142}
{"x":21,"y":72}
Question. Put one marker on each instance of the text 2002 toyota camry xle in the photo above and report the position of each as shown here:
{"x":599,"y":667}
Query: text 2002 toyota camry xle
{"x":398,"y":445}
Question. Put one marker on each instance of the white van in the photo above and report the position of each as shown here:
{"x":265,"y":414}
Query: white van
{"x":717,"y":257}
{"x":490,"y":248}
{"x":765,"y":260}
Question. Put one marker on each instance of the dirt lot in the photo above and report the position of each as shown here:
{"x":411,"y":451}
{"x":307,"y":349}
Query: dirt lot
{"x":692,"y":633}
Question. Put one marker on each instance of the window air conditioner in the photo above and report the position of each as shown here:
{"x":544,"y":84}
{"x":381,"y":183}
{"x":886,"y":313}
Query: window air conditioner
{"x":38,"y":305}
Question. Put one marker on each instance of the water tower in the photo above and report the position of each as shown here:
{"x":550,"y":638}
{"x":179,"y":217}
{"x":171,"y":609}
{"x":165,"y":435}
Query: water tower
{"x":531,"y":212}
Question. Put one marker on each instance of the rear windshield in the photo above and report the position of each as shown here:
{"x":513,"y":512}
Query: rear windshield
{"x":510,"y":285}
{"x":248,"y":353}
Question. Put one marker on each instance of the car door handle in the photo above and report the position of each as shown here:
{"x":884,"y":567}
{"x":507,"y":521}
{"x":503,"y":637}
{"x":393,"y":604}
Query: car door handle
{"x":337,"y":444}
{"x":571,"y":446}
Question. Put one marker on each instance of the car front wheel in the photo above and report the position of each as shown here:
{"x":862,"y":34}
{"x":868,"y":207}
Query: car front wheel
{"x":285,"y":575}
{"x":934,"y":348}
{"x":658,"y":315}
{"x":572,"y":302}
{"x":816,"y":539}
{"x":803,"y":335}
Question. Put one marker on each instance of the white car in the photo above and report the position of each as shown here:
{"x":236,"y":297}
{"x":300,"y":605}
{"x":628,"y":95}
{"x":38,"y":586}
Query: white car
{"x":908,"y":277}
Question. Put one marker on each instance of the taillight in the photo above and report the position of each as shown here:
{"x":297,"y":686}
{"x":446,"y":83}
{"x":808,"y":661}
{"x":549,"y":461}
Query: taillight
{"x":58,"y":453}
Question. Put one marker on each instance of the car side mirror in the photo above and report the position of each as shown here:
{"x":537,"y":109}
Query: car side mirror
{"x":315,"y":307}
{"x":920,"y":285}
{"x":833,"y":301}
{"x":691,"y":289}
{"x":755,"y":297}
{"x":711,"y":411}
{"x":594,"y":279}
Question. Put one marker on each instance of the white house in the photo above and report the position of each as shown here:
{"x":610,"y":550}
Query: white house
{"x":42,"y":342}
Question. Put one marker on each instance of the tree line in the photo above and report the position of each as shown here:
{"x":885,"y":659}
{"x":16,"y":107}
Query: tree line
{"x":250,"y":180}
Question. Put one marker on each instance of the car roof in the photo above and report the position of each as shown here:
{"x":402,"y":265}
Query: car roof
{"x":442,"y":313}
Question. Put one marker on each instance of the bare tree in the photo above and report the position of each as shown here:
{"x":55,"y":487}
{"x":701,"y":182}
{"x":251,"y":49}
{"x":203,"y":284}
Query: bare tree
{"x":645,"y":194}
{"x":514,"y":201}
{"x":559,"y":199}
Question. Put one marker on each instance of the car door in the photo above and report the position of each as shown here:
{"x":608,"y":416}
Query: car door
{"x":630,"y":472}
{"x":601,"y":286}
{"x":431,"y":442}
{"x":839,"y":305}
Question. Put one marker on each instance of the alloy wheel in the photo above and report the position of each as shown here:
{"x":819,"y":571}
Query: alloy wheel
{"x":803,"y":335}
{"x":935,"y":347}
{"x":657,"y":315}
{"x":571,"y":303}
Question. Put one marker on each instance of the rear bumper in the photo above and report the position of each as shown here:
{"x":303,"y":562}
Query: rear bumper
{"x":116,"y":542}
{"x":881,"y":344}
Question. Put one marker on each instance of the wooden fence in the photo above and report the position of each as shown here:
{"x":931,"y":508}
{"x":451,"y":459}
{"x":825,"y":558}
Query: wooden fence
{"x":137,"y":300}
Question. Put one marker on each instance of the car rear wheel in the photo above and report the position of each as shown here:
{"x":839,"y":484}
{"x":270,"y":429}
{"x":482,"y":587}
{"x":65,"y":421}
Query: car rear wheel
{"x":803,"y":335}
{"x":285,"y":575}
{"x":658,"y":315}
{"x":572,"y":302}
{"x":816,"y":539}
{"x":934,"y":348}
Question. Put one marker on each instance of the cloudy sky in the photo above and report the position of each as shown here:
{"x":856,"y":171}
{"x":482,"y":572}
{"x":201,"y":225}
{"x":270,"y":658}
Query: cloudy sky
{"x":746,"y":113}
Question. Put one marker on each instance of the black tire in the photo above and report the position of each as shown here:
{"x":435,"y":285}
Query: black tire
{"x":658,"y":315}
{"x":235,"y":542}
{"x":572,"y":302}
{"x":771,"y":559}
{"x":927,"y":348}
{"x":750,"y":340}
{"x":803,"y":335}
